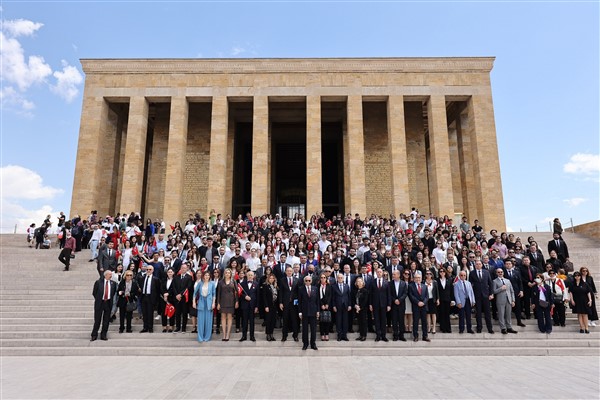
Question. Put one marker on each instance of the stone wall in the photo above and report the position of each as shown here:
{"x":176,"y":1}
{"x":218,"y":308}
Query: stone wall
{"x":591,"y":229}
{"x":377,"y":159}
{"x":157,"y":163}
{"x":195,"y":186}
{"x":417,"y":157}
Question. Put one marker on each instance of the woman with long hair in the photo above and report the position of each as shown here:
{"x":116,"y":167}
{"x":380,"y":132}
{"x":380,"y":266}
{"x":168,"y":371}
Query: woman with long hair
{"x":227,"y":302}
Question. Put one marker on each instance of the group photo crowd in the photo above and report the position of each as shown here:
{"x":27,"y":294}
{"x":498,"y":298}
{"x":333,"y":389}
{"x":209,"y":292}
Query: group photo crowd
{"x":404,"y":278}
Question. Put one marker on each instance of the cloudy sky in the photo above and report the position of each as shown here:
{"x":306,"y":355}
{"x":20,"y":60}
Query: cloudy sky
{"x":545,"y":80}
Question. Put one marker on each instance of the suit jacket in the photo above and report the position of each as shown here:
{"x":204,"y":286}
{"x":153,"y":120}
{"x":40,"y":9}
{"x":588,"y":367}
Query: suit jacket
{"x":515,"y":279}
{"x":308,"y":305}
{"x":390,"y":270}
{"x":212,"y":295}
{"x":539,"y":263}
{"x":251,"y":304}
{"x":483,"y":287}
{"x":525,"y":274}
{"x":98,"y":292}
{"x":400,"y":294}
{"x":132,"y":296}
{"x":278,"y":272}
{"x":287,"y":295}
{"x":380,"y":297}
{"x":446,"y":293}
{"x":562,"y":251}
{"x":327,"y":298}
{"x":341,"y":300}
{"x":267,"y":297}
{"x":154,"y":288}
{"x":181,"y":285}
{"x":107,"y":262}
{"x":415,"y":297}
{"x":459,"y":292}
{"x":503,"y":296}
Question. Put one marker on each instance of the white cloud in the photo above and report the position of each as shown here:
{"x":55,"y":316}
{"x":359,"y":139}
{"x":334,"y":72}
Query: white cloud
{"x":237,"y":50}
{"x":67,"y":82}
{"x":583,"y":164}
{"x":575,"y":201}
{"x":17,"y":71}
{"x":22,"y":183}
{"x":20,"y":27}
{"x":16,"y":215}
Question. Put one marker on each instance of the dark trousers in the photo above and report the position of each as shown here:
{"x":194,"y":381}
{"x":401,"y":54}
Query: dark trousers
{"x":482,"y":306}
{"x":341,"y":323}
{"x":419,"y":315}
{"x":65,"y":257}
{"x":350,"y":320}
{"x":526,"y":301}
{"x":380,"y":314}
{"x":270,"y":318}
{"x":398,"y":320}
{"x":125,"y":315}
{"x":362,"y":317}
{"x":148,"y":312}
{"x":309,"y":323}
{"x":290,"y":322}
{"x":247,"y":319}
{"x":444,"y":316}
{"x":559,"y":313}
{"x":101,"y":315}
{"x":464,"y":313}
{"x":517,"y":309}
{"x":543,"y":318}
{"x":181,"y":314}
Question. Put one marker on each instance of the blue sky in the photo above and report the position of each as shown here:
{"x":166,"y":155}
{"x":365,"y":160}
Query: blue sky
{"x":545,"y":80}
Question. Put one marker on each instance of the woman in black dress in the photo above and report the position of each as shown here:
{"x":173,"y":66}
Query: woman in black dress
{"x":361,"y":306}
{"x":446,"y":297}
{"x":433,"y":301}
{"x":128,"y":292}
{"x":580,"y":297}
{"x":270,"y":295}
{"x":587,"y":278}
{"x":325,"y":294}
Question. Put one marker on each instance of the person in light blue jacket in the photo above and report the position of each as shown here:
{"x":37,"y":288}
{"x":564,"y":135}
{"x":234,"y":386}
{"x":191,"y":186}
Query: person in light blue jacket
{"x":465,"y":300}
{"x":204,"y":302}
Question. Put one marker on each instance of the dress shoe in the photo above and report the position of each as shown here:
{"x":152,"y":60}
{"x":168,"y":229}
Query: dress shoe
{"x":93,"y":338}
{"x":521,"y":324}
{"x":314,"y":347}
{"x":395,"y":339}
{"x":103,"y":338}
{"x":150,"y":330}
{"x":196,"y":331}
{"x":304,"y":347}
{"x":177,"y":330}
{"x":402,"y":339}
{"x":586,"y":331}
{"x":416,"y":339}
{"x":491,"y":331}
{"x":426,"y":339}
{"x":129,"y":331}
{"x":503,"y":331}
{"x":295,"y":338}
{"x":252,"y":339}
{"x":461,"y":332}
{"x":351,"y":331}
{"x":511,"y":330}
{"x":362,"y":339}
{"x":377,"y":339}
{"x":478,"y":330}
{"x":358,"y":338}
{"x":283,"y":339}
{"x":471,"y":332}
{"x":242,"y":339}
{"x":65,"y":269}
{"x":385,"y":339}
{"x":164,"y":330}
{"x":121,"y":330}
{"x":345,"y":339}
{"x":144,"y":331}
{"x":339,"y":339}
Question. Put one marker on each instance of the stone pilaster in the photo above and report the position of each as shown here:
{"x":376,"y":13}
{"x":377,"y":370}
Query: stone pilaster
{"x":260,"y":157}
{"x":488,"y":183}
{"x":178,"y":132}
{"x":356,"y":157}
{"x":93,"y":128}
{"x":218,"y":156}
{"x":440,"y":170}
{"x":135,"y":153}
{"x":314,"y":185}
{"x":398,"y":157}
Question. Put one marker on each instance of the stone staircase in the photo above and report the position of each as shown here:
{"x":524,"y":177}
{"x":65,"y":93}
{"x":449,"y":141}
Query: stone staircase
{"x":45,"y":311}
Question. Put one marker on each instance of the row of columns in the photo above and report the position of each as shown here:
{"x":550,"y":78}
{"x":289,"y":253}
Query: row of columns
{"x":481,"y":134}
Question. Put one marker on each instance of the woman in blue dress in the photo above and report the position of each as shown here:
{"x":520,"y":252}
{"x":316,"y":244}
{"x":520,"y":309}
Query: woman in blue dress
{"x":204,"y":302}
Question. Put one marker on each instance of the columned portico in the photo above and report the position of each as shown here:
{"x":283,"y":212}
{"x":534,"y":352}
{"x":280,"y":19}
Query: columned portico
{"x":375,"y":136}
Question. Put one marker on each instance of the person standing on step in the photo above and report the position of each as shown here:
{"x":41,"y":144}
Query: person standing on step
{"x":183,"y":290}
{"x":68,"y":249}
{"x":308,"y":306}
{"x":482,"y":287}
{"x":465,"y":300}
{"x":103,"y":292}
{"x":542,"y":303}
{"x":288,"y":299}
{"x":505,"y":301}
{"x":204,"y":300}
{"x":248,"y":305}
{"x":419,"y":297}
{"x":150,"y":286}
{"x":128,"y":291}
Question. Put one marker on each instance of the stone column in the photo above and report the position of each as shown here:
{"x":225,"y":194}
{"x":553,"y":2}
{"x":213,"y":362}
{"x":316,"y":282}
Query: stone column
{"x":135,"y":154}
{"x":218,"y":156}
{"x":440,"y":170}
{"x":486,"y":165}
{"x":314,"y":187}
{"x":356,"y":158}
{"x":175,"y":170}
{"x":260,"y":157}
{"x":93,"y":128}
{"x":398,"y":155}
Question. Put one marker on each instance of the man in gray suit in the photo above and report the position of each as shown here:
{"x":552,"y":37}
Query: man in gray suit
{"x":465,"y":300}
{"x":505,"y":300}
{"x":107,"y":259}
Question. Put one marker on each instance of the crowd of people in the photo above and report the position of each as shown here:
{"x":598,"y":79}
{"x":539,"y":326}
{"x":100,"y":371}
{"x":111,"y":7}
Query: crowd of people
{"x":407,"y":275}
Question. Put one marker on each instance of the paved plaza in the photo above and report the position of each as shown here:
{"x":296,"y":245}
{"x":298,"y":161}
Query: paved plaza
{"x":307,"y":377}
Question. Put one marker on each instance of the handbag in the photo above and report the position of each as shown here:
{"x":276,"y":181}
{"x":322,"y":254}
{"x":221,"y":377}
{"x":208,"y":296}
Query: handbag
{"x":543,"y":304}
{"x":131,"y":306}
{"x":325,"y":316}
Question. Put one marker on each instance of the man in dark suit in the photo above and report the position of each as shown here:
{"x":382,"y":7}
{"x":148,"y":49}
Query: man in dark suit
{"x":417,"y":292}
{"x":280,"y":267}
{"x":150,"y":293}
{"x":514,"y":276}
{"x":175,"y":261}
{"x":342,"y":303}
{"x":183,"y":283}
{"x":349,"y":280}
{"x":288,"y":300}
{"x":380,"y":303}
{"x":536,"y":257}
{"x":398,"y":293}
{"x":481,"y":280}
{"x":394,"y":265}
{"x":528,"y":272}
{"x":107,"y":259}
{"x":248,"y":305}
{"x":560,"y":247}
{"x":103,"y":292}
{"x":308,"y":305}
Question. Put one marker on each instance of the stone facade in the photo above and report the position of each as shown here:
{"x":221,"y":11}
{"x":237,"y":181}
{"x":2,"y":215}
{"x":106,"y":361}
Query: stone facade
{"x":159,"y":136}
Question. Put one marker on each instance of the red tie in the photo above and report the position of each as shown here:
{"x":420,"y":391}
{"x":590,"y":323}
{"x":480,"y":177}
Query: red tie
{"x":379,"y":283}
{"x":105,"y":290}
{"x":290,"y":281}
{"x":419,"y":288}
{"x":308,"y":290}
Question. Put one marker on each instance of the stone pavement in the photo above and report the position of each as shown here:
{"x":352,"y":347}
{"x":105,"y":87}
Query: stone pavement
{"x":307,"y":377}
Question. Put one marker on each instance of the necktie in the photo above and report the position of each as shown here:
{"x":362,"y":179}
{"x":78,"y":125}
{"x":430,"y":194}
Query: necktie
{"x":308,"y":290}
{"x":105,"y":290}
{"x":554,"y":287}
{"x":341,"y":288}
{"x":146,"y":285}
{"x":290,"y":282}
{"x":109,"y":253}
{"x":419,"y":288}
{"x":347,"y":280}
{"x":502,"y":280}
{"x":479,"y":273}
{"x":379,"y":283}
{"x":530,"y":274}
{"x":510,"y":273}
{"x":465,"y":289}
{"x":557,"y":244}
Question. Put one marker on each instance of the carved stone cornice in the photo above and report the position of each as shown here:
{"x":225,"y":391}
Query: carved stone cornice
{"x":288,"y":65}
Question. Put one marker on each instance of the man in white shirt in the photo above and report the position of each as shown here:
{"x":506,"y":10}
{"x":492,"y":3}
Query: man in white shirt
{"x":94,"y":241}
{"x":252,"y":262}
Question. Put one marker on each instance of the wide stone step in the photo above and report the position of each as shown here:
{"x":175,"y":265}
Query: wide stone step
{"x":100,"y":348}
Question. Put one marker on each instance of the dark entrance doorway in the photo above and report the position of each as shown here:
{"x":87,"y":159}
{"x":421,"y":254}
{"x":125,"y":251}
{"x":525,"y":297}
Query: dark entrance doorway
{"x":332,"y":155}
{"x":242,"y":168}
